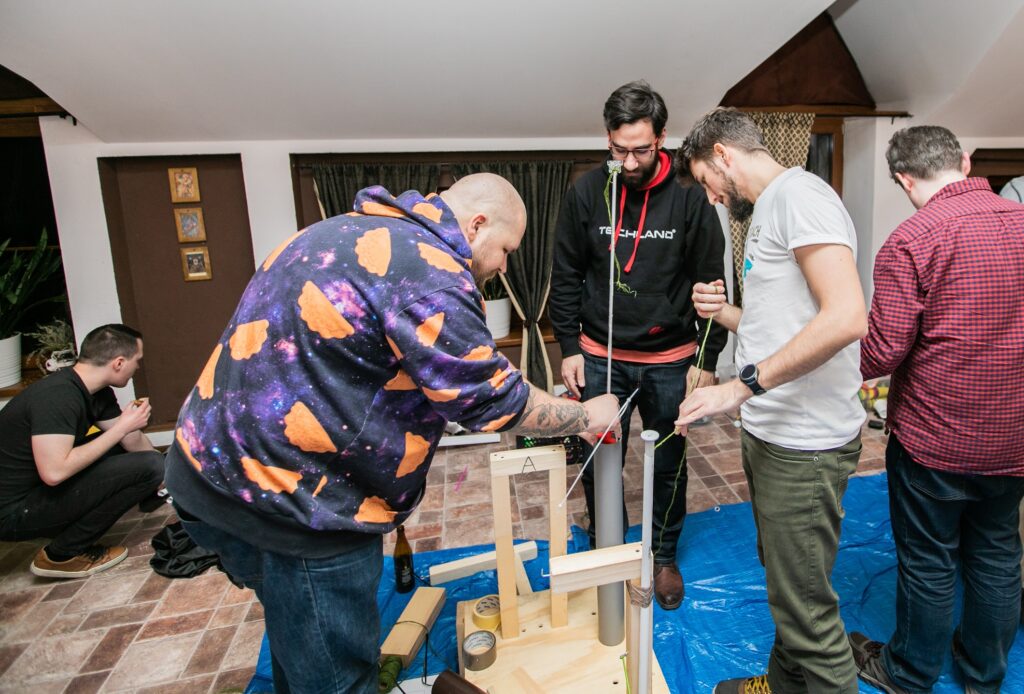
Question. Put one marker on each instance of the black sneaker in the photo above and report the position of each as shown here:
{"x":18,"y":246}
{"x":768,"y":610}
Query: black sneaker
{"x":867,"y":655}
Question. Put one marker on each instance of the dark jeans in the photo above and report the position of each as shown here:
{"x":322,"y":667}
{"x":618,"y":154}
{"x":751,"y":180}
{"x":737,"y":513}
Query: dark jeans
{"x":662,"y":388}
{"x":321,"y":614}
{"x":78,"y":511}
{"x":797,"y":500}
{"x":940,"y":519}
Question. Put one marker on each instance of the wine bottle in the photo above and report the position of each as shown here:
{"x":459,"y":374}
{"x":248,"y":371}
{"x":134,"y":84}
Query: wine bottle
{"x":404,"y":579}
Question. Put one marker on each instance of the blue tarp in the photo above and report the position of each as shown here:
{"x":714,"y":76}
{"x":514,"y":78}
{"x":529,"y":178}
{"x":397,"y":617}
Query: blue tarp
{"x":723,"y":628}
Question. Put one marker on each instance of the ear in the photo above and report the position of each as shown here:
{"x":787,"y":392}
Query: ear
{"x":661,"y":138}
{"x":965,"y":164}
{"x":476,"y":223}
{"x":719,"y":150}
{"x":118,"y":363}
{"x":906,"y":182}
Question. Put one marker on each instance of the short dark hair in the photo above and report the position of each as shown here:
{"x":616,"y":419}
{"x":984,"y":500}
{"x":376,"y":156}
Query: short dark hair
{"x":923,"y":151}
{"x":634,"y":102}
{"x":723,"y":125}
{"x":108,"y":342}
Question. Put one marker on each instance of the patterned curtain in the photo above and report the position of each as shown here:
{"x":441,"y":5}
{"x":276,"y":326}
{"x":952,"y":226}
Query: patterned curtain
{"x":336,"y":185}
{"x":542,"y":185}
{"x":788,"y":136}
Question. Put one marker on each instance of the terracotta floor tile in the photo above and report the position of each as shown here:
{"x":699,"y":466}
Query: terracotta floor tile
{"x":87,"y":684}
{"x":245,"y":647}
{"x":735,"y":477}
{"x":111,"y":648}
{"x":114,"y":616}
{"x":106,"y":590}
{"x":52,"y":658}
{"x":184,"y":686}
{"x":9,"y":653}
{"x":179,"y":624}
{"x":699,"y":465}
{"x":726,"y":462}
{"x":255,"y":611}
{"x":190,"y":595}
{"x":742,"y":491}
{"x":464,"y":533}
{"x":469,"y":493}
{"x":237,"y":596}
{"x":234,"y":679}
{"x":699,"y":500}
{"x":712,"y":481}
{"x":211,"y":650}
{"x":64,"y":624}
{"x":469,"y":511}
{"x":433,"y":499}
{"x":428,"y":544}
{"x":153,"y":589}
{"x":724,"y":495}
{"x":228,"y":616}
{"x":148,"y":663}
{"x":64,"y":589}
{"x":31,"y":624}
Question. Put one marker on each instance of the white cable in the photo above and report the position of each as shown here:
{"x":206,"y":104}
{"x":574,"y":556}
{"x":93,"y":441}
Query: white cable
{"x":600,"y":440}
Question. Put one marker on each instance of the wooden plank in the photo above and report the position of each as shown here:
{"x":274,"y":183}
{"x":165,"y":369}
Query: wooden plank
{"x":405,"y":639}
{"x":460,"y":633}
{"x":467,"y":566}
{"x":570,"y":660}
{"x":633,"y":646}
{"x":557,"y":540}
{"x":505,"y":463}
{"x":523,"y":586}
{"x":503,"y":548}
{"x":595,"y":568}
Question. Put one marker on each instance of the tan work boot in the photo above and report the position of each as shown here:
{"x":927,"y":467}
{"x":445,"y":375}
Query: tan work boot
{"x":93,"y":560}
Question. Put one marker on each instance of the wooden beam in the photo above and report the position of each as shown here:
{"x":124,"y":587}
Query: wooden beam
{"x":523,"y":586}
{"x":467,"y":566}
{"x":406,"y":638}
{"x":597,"y":567}
{"x":37,"y":106}
{"x":503,"y":547}
{"x":557,"y":539}
{"x":527,"y":460}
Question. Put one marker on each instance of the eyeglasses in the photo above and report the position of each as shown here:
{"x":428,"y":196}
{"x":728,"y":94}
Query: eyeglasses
{"x":640,"y":153}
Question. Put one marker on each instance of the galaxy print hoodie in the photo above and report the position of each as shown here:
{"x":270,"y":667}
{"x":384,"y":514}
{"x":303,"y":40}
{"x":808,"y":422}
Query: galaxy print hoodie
{"x":321,"y":406}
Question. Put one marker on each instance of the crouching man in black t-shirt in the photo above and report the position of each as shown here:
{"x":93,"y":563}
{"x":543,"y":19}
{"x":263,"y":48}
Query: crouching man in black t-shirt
{"x":57,"y":482}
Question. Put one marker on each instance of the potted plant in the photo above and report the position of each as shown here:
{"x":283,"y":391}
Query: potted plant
{"x":55,"y":346}
{"x":497,"y":307}
{"x":22,"y":272}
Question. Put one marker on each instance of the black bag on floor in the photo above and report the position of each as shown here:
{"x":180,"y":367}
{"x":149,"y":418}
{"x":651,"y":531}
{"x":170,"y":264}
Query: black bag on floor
{"x":177,"y":555}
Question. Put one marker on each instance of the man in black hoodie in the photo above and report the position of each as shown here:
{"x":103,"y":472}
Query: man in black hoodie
{"x":666,"y":238}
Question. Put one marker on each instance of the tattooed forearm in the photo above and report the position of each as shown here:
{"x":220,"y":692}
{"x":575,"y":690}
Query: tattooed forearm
{"x":546,"y":415}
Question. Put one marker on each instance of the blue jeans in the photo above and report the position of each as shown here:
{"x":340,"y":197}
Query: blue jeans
{"x":321,"y":614}
{"x":662,"y":388}
{"x":938,"y":519}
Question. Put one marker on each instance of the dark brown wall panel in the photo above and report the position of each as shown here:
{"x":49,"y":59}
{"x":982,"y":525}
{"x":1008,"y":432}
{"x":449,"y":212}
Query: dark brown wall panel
{"x":180,"y":321}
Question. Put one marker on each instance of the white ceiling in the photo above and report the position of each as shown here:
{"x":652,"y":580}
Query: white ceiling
{"x":202,"y":70}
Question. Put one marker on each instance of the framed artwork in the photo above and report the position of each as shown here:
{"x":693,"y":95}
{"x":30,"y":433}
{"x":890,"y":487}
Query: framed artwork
{"x":195,"y":263}
{"x":184,"y":184}
{"x":189,"y":221}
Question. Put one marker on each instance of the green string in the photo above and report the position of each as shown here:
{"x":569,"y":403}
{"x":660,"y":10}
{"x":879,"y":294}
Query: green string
{"x":619,"y":284}
{"x":682,"y":460}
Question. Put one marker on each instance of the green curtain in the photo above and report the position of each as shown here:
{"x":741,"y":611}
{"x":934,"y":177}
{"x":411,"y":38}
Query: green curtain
{"x":337,"y":184}
{"x":542,"y":185}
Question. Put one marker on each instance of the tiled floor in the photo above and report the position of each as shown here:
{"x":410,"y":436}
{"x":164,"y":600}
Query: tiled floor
{"x":129,"y":629}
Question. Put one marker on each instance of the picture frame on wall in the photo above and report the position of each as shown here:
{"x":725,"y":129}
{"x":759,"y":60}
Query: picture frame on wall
{"x":184,"y":184}
{"x":195,"y":263}
{"x":189,"y":222}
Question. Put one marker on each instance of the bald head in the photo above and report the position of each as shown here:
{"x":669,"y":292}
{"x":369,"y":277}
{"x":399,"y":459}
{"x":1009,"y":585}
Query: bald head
{"x":492,"y":215}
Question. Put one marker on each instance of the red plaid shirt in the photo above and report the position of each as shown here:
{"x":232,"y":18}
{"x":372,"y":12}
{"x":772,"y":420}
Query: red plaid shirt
{"x":947,"y":321}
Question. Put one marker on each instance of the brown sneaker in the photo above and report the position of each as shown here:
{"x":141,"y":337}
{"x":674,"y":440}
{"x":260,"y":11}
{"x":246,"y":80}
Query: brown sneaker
{"x":744,"y":685}
{"x":668,"y":586}
{"x":93,"y":560}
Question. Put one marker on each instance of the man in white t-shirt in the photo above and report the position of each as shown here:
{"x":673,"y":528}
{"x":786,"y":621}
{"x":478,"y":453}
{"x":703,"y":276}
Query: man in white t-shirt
{"x":798,"y":353}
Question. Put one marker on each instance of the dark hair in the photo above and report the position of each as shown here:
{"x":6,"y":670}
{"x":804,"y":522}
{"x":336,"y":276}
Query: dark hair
{"x":108,"y":342}
{"x":726,"y":126}
{"x":923,"y":151}
{"x":634,"y":102}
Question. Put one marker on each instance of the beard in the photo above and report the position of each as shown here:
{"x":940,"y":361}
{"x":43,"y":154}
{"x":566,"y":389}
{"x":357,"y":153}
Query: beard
{"x":634,"y":180}
{"x":740,"y":208}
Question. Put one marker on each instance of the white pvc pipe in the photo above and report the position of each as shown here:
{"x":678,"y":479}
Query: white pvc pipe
{"x":646,"y":564}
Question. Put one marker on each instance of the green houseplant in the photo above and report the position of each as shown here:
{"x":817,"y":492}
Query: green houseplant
{"x":55,"y":345}
{"x":22,"y":273}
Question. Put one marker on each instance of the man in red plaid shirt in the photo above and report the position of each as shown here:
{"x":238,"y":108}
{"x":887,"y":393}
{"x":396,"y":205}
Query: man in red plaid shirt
{"x":946,"y":322}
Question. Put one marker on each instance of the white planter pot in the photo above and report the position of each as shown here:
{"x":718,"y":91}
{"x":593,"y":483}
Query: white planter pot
{"x":10,"y":361}
{"x":499,"y":311}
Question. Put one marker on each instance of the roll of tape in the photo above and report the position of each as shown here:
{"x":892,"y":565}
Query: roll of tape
{"x":479,"y":650}
{"x":487,"y":612}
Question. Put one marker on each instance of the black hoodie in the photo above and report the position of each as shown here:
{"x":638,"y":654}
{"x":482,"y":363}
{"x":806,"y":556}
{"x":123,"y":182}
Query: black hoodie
{"x":682,"y":243}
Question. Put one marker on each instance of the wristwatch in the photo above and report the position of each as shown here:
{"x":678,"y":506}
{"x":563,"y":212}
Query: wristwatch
{"x":748,"y":374}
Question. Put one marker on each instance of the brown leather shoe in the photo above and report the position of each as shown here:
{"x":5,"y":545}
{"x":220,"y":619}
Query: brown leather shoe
{"x":668,"y":586}
{"x":93,"y":560}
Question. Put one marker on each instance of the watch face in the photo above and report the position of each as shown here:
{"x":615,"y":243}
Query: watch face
{"x":748,"y":372}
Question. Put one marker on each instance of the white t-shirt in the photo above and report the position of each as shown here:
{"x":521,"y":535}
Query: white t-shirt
{"x":819,"y":410}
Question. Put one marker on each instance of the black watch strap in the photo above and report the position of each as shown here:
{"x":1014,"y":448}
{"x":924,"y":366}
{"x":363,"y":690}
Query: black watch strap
{"x":748,"y":375}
